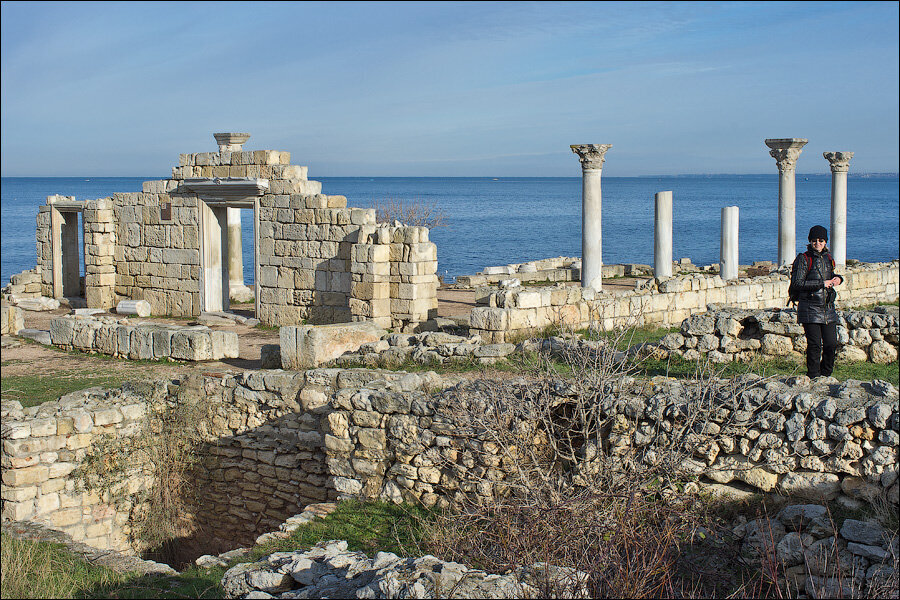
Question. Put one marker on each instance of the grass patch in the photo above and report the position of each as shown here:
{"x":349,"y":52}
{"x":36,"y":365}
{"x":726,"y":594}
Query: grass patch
{"x":44,"y":570}
{"x":31,"y":390}
{"x":367,"y":527}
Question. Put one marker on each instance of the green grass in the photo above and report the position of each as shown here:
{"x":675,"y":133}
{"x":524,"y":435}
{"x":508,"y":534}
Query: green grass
{"x":32,"y":390}
{"x":42,"y":570}
{"x":367,"y":527}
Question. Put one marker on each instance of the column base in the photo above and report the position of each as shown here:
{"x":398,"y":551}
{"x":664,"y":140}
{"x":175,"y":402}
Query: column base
{"x":238,"y":292}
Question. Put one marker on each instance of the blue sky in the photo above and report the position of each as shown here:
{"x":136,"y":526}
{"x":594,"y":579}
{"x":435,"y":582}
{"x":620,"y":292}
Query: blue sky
{"x":448,"y":89}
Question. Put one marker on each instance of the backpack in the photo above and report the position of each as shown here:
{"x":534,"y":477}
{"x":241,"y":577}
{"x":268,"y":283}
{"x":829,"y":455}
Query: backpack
{"x":793,"y":295}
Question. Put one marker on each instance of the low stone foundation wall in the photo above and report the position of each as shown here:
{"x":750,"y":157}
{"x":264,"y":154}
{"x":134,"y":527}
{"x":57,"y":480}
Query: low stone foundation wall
{"x":11,"y":319}
{"x":733,"y":334}
{"x":561,"y":268}
{"x":142,"y":341}
{"x":515,"y":312}
{"x":276,"y":441}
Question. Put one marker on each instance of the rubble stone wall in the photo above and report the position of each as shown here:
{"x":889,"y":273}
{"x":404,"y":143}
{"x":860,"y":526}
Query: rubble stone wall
{"x":734,"y":334}
{"x":514,"y":312}
{"x":276,"y":441}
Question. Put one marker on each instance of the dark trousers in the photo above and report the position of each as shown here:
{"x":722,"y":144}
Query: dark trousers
{"x":821,"y":345}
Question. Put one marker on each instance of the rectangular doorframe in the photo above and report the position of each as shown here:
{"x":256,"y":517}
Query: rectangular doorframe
{"x":221,"y":204}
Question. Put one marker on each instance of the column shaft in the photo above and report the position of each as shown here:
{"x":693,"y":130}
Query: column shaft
{"x":728,"y":264}
{"x":839,"y":217}
{"x":235,"y":250}
{"x":592,"y":158}
{"x":787,"y":217}
{"x":786,"y":151}
{"x":591,"y":230}
{"x":662,"y":235}
{"x":840,"y":164}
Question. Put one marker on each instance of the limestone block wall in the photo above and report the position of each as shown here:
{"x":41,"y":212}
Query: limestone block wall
{"x":394,"y":276}
{"x":156,"y":260}
{"x":275,"y":441}
{"x":99,"y":253}
{"x":733,"y":334}
{"x":42,"y":447}
{"x":11,"y":319}
{"x":142,"y":341}
{"x":514,"y":312}
{"x":146,"y":246}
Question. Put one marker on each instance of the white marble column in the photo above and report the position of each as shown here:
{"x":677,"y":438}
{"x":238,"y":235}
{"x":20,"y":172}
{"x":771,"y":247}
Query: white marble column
{"x":728,"y":248}
{"x":235,"y":251}
{"x":840,"y":165}
{"x":592,"y":159}
{"x":785,"y":151}
{"x":662,"y":235}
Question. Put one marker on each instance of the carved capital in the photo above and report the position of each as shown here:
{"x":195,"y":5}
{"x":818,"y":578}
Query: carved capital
{"x":839,"y":161}
{"x":591,"y":155}
{"x":231,"y":142}
{"x":785,"y":151}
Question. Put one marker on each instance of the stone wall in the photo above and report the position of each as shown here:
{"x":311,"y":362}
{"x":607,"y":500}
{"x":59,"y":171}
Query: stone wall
{"x":516,"y":311}
{"x":319,"y":261}
{"x":142,"y":341}
{"x":276,"y":441}
{"x":733,"y":334}
{"x":11,"y":319}
{"x":43,"y":445}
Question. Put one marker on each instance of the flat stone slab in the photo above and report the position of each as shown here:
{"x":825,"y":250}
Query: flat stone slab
{"x":41,"y":303}
{"x":42,"y":336}
{"x":308,"y":346}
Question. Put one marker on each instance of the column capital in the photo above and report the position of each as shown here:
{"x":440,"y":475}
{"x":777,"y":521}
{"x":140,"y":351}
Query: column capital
{"x":785,"y":151}
{"x":591,"y":155}
{"x":231,"y":142}
{"x":839,"y":161}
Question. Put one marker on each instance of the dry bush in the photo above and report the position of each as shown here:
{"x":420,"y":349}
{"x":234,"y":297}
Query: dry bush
{"x":415,"y":213}
{"x":560,"y":480}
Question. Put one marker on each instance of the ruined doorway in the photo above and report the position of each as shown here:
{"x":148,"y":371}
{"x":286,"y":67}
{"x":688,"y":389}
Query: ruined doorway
{"x":67,"y":243}
{"x":215,"y":250}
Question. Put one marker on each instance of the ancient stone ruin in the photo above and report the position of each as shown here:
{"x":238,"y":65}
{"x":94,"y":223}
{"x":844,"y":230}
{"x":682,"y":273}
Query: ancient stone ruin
{"x":177,"y":245}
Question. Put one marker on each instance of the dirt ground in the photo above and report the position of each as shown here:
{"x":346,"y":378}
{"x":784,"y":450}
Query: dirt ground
{"x":25,"y":358}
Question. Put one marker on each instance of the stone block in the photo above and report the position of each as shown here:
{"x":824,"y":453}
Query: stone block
{"x":192,"y":344}
{"x":308,"y":346}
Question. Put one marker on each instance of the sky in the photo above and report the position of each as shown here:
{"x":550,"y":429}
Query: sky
{"x":448,"y":89}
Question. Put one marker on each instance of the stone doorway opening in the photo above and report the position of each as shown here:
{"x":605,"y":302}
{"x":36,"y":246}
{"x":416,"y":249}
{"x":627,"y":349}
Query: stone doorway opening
{"x":67,"y":242}
{"x":221,"y":250}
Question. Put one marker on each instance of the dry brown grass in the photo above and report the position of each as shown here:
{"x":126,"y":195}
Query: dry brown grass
{"x":415,"y":213}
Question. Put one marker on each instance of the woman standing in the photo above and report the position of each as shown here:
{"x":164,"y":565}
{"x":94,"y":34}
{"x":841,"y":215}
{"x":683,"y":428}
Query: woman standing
{"x":812,"y":283}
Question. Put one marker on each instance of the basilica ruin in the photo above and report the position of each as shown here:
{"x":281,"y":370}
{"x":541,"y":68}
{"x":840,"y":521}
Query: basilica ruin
{"x":177,"y":245}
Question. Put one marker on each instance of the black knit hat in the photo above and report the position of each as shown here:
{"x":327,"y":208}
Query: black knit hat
{"x":818,"y":233}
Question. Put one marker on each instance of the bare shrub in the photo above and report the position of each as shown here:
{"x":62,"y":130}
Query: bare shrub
{"x":415,"y":213}
{"x":150,"y":474}
{"x":565,"y":476}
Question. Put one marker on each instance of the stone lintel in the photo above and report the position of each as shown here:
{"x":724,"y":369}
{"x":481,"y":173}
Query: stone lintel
{"x":785,"y":151}
{"x":227,"y":187}
{"x":592,"y":156}
{"x":839,"y":161}
{"x":231,"y":142}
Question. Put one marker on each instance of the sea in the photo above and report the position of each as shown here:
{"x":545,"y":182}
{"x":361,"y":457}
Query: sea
{"x":497,"y":221}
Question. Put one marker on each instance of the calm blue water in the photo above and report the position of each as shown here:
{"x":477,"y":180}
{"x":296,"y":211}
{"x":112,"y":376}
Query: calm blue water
{"x":495,"y":222}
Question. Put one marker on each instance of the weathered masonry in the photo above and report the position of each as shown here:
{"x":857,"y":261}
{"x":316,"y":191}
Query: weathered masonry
{"x":172,"y":244}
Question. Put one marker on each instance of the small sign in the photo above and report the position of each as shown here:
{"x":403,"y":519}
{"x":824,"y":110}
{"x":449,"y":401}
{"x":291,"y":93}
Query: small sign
{"x":165,"y":211}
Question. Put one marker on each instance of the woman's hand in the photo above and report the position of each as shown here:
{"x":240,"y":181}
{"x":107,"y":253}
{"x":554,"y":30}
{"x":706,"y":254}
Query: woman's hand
{"x":833,"y":282}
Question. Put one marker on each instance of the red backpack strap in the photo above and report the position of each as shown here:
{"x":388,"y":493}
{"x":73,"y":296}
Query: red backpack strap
{"x":809,"y":261}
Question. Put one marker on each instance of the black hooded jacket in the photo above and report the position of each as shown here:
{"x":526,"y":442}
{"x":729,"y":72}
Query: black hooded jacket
{"x":815,"y":303}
